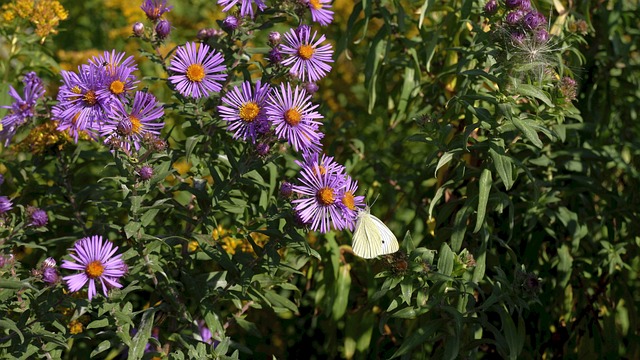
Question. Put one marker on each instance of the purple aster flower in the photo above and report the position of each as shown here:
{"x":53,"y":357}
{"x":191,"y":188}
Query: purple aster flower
{"x":50,"y":275}
{"x":163,"y":29}
{"x":118,"y":75}
{"x":513,"y":4}
{"x":79,"y":107}
{"x":491,"y":7}
{"x":37,"y":217}
{"x":514,"y":17}
{"x":320,"y":12}
{"x":155,"y":8}
{"x":204,"y":332}
{"x":518,"y":38}
{"x":244,"y":110}
{"x":49,"y":262}
{"x":294,"y":118}
{"x":96,"y":261}
{"x":197,"y":70}
{"x":321,"y":192}
{"x":541,"y":36}
{"x":23,"y":107}
{"x":325,"y":163}
{"x":351,"y":205}
{"x":533,"y":20}
{"x":306,"y":57}
{"x":132,"y":125}
{"x":246,"y":6}
{"x":5,"y":204}
{"x":145,"y":172}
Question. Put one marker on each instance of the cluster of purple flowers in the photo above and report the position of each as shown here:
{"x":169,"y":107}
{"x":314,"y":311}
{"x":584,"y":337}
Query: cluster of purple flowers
{"x":154,"y":9}
{"x":320,"y":10}
{"x":100,"y":100}
{"x":523,"y":22}
{"x":326,"y":195}
{"x":23,"y":108}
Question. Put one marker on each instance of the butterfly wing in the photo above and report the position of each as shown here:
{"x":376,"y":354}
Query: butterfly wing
{"x":367,"y":242}
{"x":388,"y":241}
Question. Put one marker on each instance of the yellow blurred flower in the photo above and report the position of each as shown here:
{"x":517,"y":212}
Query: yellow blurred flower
{"x":75,"y":327}
{"x":45,"y":137}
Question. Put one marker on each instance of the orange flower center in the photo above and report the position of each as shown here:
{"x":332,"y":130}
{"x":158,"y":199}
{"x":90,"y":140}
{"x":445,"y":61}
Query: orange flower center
{"x":249,"y":111}
{"x":325,"y":196}
{"x":349,"y":201}
{"x":315,"y":4}
{"x":117,"y":87}
{"x":292,"y":116}
{"x":90,"y":97}
{"x":195,"y":72}
{"x":306,"y":52}
{"x":94,"y":269}
{"x":319,"y":170}
{"x":136,"y":125}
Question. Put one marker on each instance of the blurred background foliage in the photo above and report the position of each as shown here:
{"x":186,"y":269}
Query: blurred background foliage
{"x":550,"y":268}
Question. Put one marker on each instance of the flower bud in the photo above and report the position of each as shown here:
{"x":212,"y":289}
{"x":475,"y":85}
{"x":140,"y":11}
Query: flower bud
{"x":311,"y":87}
{"x":491,"y":7}
{"x":138,"y":29}
{"x":230,"y":23}
{"x":145,"y":173}
{"x":163,"y":29}
{"x":274,"y":38}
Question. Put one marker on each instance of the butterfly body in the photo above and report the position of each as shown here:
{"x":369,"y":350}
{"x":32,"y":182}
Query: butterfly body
{"x":372,"y":237}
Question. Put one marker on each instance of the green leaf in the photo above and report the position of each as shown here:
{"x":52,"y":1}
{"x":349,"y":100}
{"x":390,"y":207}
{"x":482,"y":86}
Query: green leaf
{"x":14,"y":284}
{"x":105,"y":345}
{"x":503,"y":166}
{"x":528,"y":130}
{"x":535,"y":92}
{"x":444,"y":159}
{"x":342,"y":287}
{"x":445,"y":260}
{"x":419,"y":337}
{"x":460,"y":226}
{"x":9,"y":324}
{"x":131,"y":229}
{"x":484,"y":185}
{"x":98,"y":324}
{"x":140,"y":340}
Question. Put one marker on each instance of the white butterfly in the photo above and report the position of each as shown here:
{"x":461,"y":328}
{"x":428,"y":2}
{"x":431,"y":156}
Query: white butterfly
{"x":372,"y":237}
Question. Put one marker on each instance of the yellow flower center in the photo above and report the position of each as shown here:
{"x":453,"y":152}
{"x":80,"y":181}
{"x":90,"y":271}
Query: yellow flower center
{"x":306,"y":51}
{"x":116,"y":87}
{"x":349,"y":201}
{"x":249,"y":111}
{"x":292,"y":116}
{"x":195,"y":72}
{"x":319,"y":170}
{"x":94,"y":269}
{"x":90,"y":98}
{"x":76,"y":90}
{"x":325,"y":196}
{"x":315,"y":4}
{"x":136,"y":125}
